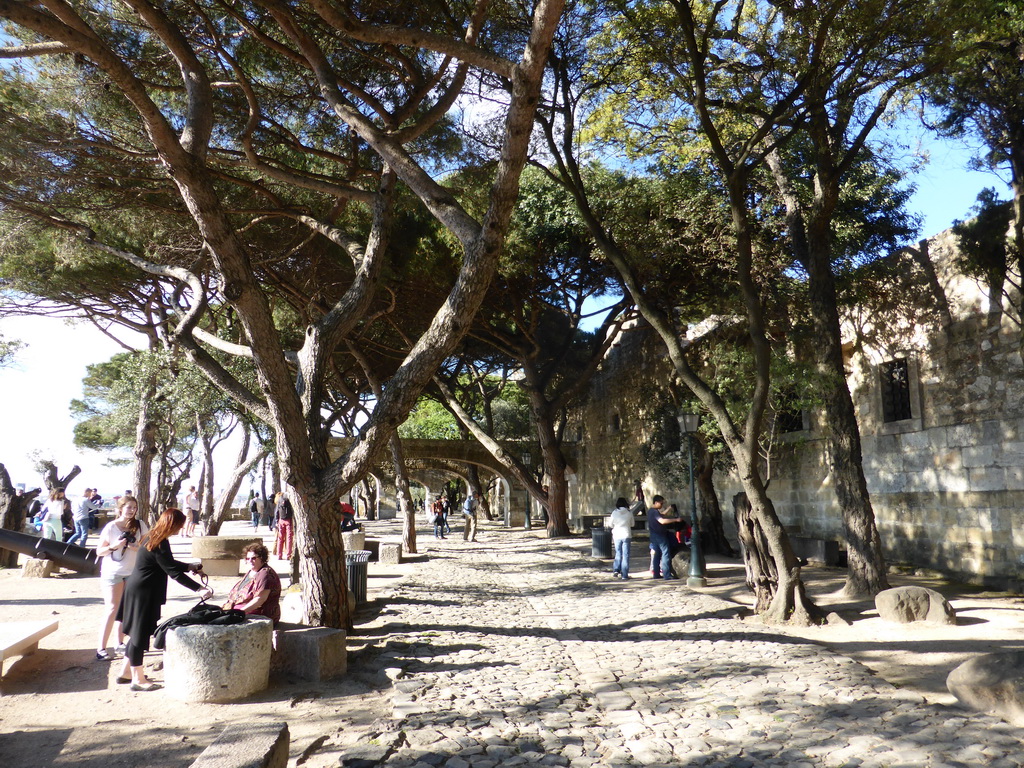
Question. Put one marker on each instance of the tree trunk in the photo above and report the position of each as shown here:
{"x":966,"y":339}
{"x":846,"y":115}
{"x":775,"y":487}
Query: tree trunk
{"x":406,"y":509}
{"x":144,"y":451}
{"x":12,"y":513}
{"x":369,"y":496}
{"x":321,"y":558}
{"x":772,"y":570}
{"x":50,"y":479}
{"x":712,"y":532}
{"x":473,"y":473}
{"x":866,"y":573}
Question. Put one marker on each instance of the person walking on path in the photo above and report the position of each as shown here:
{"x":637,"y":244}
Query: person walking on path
{"x":86,"y":506}
{"x":53,"y":528}
{"x":145,"y":592}
{"x":283,"y":514}
{"x":469,"y":516}
{"x":439,"y":518}
{"x":256,"y":510}
{"x":622,"y":536}
{"x":192,"y":507}
{"x":119,"y":545}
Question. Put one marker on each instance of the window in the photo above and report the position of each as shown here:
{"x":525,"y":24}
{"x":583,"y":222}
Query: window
{"x":895,"y":376}
{"x":790,"y":420}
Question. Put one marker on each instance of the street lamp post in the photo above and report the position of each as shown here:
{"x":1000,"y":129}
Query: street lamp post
{"x":527,"y":462}
{"x":689,"y":423}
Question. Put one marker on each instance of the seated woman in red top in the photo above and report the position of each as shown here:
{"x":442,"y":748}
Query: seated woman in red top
{"x":259,"y":591}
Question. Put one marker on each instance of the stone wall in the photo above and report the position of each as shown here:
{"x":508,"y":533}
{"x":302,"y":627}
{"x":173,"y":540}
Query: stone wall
{"x":947,"y":484}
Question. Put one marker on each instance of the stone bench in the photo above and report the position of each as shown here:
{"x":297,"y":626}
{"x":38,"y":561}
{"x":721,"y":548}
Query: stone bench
{"x":264,"y":745}
{"x":309,"y":653}
{"x":21,"y":638}
{"x":222,"y":555}
{"x":209,"y":662}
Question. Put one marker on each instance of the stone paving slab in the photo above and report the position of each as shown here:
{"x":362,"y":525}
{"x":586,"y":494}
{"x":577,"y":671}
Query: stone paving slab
{"x":515,"y":652}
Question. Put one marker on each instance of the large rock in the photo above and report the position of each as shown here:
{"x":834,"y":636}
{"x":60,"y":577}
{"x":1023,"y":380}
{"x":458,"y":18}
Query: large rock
{"x":993,"y":682}
{"x":907,"y":604}
{"x":207,"y":662}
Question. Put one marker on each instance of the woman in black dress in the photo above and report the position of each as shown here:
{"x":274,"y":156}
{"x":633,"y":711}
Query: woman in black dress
{"x":146,"y":591}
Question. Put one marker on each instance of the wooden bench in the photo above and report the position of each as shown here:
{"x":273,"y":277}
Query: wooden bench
{"x":20,"y":638}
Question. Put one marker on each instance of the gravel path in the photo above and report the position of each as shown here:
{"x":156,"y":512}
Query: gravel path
{"x":514,"y":652}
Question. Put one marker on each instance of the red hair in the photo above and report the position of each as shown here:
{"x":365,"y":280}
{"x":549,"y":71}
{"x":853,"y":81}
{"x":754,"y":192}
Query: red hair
{"x":170,"y":522}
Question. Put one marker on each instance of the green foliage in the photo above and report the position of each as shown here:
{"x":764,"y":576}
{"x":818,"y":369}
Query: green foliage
{"x":8,"y":349}
{"x":983,"y":248}
{"x":429,"y":420}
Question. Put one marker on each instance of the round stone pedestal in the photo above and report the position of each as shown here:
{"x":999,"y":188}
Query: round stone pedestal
{"x":207,"y":662}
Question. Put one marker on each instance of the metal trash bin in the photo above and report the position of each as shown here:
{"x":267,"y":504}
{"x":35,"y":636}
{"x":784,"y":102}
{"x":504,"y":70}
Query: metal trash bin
{"x":355,"y":566}
{"x":601,"y":542}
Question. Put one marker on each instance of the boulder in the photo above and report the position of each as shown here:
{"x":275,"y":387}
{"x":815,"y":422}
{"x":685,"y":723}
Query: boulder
{"x":907,"y":604}
{"x":993,"y":682}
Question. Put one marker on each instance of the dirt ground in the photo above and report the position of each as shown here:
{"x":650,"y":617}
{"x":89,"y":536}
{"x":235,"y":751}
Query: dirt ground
{"x":61,"y":707}
{"x":915,"y":657}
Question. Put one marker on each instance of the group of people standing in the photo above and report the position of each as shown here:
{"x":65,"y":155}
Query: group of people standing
{"x":136,"y":564}
{"x":669,"y":533}
{"x":441,"y":509}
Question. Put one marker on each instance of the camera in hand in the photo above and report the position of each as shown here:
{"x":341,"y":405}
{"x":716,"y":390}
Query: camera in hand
{"x":128,"y":537}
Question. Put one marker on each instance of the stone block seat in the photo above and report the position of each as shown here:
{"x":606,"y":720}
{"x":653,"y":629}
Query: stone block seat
{"x":258,"y":745}
{"x":309,"y":653}
{"x":390,"y":552}
{"x":216,"y":663}
{"x":21,"y":638}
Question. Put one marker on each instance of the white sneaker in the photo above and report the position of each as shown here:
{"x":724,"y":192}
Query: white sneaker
{"x":120,"y":649}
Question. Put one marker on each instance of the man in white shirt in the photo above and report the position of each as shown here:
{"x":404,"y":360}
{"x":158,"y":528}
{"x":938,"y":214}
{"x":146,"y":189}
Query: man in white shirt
{"x":622,"y":535}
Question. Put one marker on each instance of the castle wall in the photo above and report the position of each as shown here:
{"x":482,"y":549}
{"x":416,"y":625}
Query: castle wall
{"x":947,"y":484}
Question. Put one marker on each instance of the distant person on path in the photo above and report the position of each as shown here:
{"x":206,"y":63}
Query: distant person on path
{"x":283,"y":516}
{"x":661,"y":543}
{"x":94,"y":522}
{"x":145,"y":593}
{"x":192,"y":507}
{"x":52,"y":514}
{"x":86,"y":507}
{"x":469,"y":507}
{"x":119,"y":545}
{"x":259,"y":591}
{"x":639,"y":502}
{"x":256,"y":510}
{"x":439,"y":519}
{"x":622,"y":536}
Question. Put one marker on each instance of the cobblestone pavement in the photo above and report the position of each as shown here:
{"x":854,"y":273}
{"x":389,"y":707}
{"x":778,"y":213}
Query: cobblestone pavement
{"x":517,"y":652}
